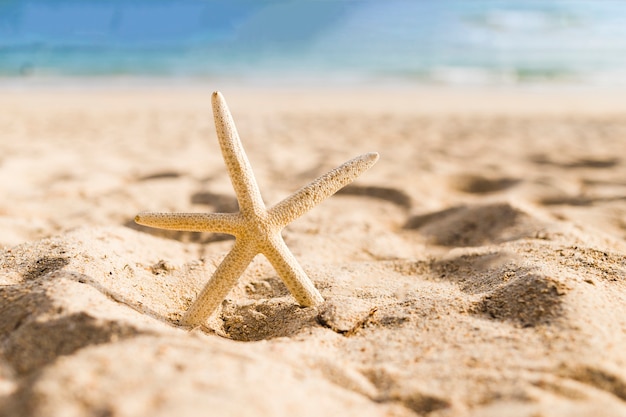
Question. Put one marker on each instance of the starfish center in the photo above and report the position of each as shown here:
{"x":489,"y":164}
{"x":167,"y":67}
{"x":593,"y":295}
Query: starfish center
{"x":260,"y":228}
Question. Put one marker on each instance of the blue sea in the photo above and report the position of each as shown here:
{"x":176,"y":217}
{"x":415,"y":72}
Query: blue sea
{"x":456,"y":42}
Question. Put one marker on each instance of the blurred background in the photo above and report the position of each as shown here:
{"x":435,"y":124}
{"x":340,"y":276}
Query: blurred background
{"x":443,"y":42}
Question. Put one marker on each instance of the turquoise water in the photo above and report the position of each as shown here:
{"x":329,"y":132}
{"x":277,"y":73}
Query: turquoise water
{"x":441,"y":42}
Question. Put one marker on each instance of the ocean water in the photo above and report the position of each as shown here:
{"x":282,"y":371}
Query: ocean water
{"x":464,"y":42}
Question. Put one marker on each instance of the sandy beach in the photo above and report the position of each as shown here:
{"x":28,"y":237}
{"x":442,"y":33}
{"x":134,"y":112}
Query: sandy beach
{"x":478,"y":269}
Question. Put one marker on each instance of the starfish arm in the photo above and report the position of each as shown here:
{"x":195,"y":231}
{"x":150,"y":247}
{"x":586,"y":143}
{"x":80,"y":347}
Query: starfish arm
{"x":318,"y":190}
{"x":239,"y":169}
{"x":223,"y":280}
{"x":192,"y":222}
{"x":291,"y":272}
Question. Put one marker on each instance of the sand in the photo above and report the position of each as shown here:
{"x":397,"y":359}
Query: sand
{"x":478,"y":269}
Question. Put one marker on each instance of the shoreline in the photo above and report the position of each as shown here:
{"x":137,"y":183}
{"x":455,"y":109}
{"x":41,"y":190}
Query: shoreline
{"x":398,"y":98}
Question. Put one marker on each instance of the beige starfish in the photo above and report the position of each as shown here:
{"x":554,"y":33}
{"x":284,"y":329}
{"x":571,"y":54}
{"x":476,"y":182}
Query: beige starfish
{"x":257,"y":229}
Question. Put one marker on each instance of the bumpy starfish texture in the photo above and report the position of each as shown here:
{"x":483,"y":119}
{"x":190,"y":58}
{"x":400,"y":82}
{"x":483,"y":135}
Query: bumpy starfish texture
{"x":256,"y":229}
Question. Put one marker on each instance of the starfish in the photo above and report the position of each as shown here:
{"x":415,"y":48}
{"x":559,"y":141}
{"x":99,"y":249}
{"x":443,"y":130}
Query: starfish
{"x":256,"y":228}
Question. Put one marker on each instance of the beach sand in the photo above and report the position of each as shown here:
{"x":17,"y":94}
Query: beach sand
{"x":478,"y":269}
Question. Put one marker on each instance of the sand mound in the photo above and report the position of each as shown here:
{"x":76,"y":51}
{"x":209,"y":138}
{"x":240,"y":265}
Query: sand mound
{"x":529,"y":322}
{"x":476,"y":225}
